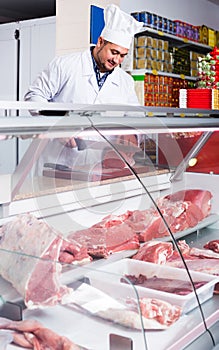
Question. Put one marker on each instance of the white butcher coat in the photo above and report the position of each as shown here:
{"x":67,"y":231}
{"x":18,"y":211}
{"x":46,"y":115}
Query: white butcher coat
{"x":71,"y":79}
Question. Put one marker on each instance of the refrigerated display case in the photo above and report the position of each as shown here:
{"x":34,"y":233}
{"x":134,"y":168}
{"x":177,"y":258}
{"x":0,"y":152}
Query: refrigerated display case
{"x":101,"y":243}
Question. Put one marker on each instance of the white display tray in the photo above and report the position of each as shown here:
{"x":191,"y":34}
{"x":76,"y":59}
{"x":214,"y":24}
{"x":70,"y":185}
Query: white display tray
{"x":109,"y":281}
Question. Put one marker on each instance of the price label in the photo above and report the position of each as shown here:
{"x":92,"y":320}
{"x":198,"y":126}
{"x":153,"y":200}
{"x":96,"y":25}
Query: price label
{"x":182,"y":76}
{"x":150,"y":114}
{"x":185,"y":40}
{"x":182,"y":115}
{"x":160,"y":33}
{"x":154,"y":71}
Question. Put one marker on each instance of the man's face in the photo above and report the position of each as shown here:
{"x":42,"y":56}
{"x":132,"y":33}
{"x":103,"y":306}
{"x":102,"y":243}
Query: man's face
{"x":108,"y":55}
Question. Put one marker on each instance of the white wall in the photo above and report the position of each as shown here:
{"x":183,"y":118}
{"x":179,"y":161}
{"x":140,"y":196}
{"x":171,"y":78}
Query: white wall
{"x":196,"y":12}
{"x":73,"y":24}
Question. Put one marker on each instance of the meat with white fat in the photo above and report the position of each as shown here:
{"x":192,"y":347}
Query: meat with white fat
{"x":201,"y":260}
{"x":154,"y":251}
{"x":155,"y":314}
{"x":29,"y":259}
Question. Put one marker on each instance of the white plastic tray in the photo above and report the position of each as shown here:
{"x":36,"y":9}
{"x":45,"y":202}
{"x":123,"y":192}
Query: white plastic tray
{"x":109,"y":282}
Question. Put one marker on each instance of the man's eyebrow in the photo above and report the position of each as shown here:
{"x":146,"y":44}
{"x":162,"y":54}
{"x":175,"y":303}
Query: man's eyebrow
{"x":118,"y":52}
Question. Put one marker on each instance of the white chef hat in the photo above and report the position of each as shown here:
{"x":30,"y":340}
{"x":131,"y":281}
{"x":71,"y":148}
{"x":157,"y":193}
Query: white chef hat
{"x":120,"y":27}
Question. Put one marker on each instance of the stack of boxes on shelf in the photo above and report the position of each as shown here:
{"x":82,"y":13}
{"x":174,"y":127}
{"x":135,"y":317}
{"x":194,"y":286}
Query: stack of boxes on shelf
{"x":201,"y":33}
{"x":156,"y":54}
{"x":163,"y":91}
{"x":152,"y":53}
{"x":160,"y":90}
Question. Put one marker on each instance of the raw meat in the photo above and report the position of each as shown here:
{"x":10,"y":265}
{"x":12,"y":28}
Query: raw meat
{"x":149,"y":224}
{"x":162,"y":311}
{"x":73,"y":253}
{"x":200,"y":198}
{"x":210,"y":266}
{"x":201,"y":260}
{"x":180,"y":210}
{"x":112,"y":160}
{"x":154,"y":251}
{"x":213,"y":245}
{"x":156,"y":314}
{"x":101,"y":241}
{"x":33,"y":335}
{"x":127,"y":146}
{"x":29,"y":259}
{"x":168,"y":285}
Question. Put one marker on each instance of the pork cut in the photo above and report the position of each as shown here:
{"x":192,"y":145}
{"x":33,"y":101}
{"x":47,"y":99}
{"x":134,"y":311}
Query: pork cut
{"x":29,"y":259}
{"x":155,"y":313}
{"x":101,"y":240}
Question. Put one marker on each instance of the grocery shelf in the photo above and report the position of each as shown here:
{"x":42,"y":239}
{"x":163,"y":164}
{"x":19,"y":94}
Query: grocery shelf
{"x":176,"y":40}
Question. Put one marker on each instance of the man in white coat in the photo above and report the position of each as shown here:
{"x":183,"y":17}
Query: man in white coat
{"x":90,"y":77}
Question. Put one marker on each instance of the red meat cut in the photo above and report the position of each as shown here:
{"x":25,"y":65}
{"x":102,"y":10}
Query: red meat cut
{"x":101,"y":241}
{"x":29,"y":259}
{"x":180,"y":211}
{"x":154,"y":251}
{"x":200,"y":198}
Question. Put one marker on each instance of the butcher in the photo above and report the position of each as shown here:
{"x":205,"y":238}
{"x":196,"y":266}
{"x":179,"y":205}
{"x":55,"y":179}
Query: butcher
{"x":93,"y":76}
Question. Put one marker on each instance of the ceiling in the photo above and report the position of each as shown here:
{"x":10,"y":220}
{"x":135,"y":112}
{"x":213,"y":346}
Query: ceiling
{"x":20,"y":10}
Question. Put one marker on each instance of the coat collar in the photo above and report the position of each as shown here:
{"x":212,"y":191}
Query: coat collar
{"x":87,"y":68}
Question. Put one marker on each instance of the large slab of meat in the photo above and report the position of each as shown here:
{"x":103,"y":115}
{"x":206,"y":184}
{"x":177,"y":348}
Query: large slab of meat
{"x":31,"y":253}
{"x":181,"y":210}
{"x":102,"y":240}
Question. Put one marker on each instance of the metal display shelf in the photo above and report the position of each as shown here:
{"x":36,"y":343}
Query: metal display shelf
{"x":176,"y":40}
